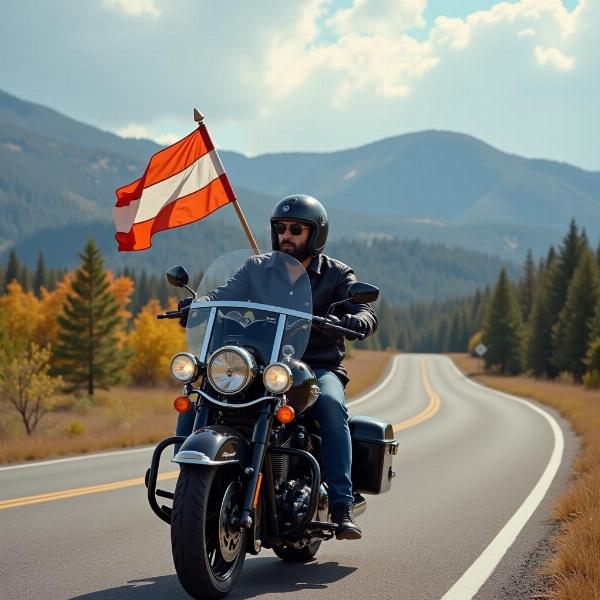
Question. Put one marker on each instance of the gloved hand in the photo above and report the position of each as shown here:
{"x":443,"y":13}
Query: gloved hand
{"x":356,"y":324}
{"x":184,"y":308}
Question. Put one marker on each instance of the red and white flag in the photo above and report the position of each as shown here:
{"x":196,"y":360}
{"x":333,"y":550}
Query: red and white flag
{"x":182,"y":184}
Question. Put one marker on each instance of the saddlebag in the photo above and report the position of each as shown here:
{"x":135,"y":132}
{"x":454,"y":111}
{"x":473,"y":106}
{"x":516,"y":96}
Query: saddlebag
{"x":373,"y":447}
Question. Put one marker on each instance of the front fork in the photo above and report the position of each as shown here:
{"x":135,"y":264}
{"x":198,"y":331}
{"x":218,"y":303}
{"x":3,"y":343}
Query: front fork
{"x":260,"y":438}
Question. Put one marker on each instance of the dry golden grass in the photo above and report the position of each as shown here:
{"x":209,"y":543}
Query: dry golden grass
{"x":574,"y":567}
{"x":365,"y":369}
{"x":130,"y":416}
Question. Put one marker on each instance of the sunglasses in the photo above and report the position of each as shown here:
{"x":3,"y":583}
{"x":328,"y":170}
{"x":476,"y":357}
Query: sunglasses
{"x":295,"y":228}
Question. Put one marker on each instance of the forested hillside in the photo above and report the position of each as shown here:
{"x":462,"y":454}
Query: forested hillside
{"x":406,"y":270}
{"x":434,"y":186}
{"x":545,"y":322}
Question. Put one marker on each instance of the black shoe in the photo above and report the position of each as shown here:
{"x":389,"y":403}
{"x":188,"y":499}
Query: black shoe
{"x":347,"y":529}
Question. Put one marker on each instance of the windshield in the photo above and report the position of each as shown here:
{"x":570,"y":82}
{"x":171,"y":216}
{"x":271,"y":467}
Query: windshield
{"x":263,"y":303}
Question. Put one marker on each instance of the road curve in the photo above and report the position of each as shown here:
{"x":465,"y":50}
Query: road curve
{"x":472,"y":471}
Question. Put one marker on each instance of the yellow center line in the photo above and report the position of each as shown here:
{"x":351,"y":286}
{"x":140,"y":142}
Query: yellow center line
{"x":427,"y":413}
{"x":429,"y":410}
{"x":92,"y":489}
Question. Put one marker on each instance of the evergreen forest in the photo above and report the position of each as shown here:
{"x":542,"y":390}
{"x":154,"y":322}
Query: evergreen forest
{"x":88,"y":328}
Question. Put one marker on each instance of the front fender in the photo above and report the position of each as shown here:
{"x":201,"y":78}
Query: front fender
{"x":213,"y":445}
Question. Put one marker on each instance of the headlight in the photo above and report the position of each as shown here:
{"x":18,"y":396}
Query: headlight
{"x":277,"y":378}
{"x":230,"y":369}
{"x":184,"y":367}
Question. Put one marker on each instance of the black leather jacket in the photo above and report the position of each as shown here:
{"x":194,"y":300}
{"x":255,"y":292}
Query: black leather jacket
{"x":329,"y":281}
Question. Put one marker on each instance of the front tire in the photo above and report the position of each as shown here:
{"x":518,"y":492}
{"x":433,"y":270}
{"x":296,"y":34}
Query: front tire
{"x":298,"y":555}
{"x":208,"y":553}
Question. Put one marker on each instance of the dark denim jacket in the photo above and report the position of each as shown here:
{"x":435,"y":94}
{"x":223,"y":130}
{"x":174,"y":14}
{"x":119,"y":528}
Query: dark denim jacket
{"x":329,"y":281}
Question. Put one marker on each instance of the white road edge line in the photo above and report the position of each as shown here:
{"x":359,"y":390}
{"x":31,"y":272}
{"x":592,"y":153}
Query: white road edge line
{"x":148,"y":448}
{"x":379,"y":387}
{"x":74,"y":458}
{"x":478,"y":573}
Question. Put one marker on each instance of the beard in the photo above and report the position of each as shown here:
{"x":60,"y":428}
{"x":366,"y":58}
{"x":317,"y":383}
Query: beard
{"x":300,"y":253}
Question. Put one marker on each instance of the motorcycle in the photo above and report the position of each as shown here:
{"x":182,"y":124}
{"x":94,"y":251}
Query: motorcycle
{"x":250,"y":475}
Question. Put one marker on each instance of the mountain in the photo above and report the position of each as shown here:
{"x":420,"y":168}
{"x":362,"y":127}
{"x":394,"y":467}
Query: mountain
{"x":50,"y":124}
{"x":435,"y":186}
{"x":434,"y":177}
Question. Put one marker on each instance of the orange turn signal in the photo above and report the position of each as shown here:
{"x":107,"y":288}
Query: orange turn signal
{"x":182,"y":404}
{"x":285,"y":414}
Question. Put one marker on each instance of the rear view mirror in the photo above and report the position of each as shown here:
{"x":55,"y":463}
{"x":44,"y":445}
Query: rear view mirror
{"x":177,"y":276}
{"x":362,"y":293}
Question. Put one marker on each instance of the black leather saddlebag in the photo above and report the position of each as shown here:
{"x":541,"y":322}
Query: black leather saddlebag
{"x":373,"y":448}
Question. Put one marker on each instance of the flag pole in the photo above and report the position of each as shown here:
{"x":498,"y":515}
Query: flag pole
{"x":199,"y":118}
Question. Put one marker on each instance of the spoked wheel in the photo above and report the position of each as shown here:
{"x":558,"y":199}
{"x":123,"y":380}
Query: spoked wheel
{"x":207,"y":551}
{"x":291,"y":554}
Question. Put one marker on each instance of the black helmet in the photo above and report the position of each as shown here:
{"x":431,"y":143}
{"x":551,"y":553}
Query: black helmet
{"x":306,"y":209}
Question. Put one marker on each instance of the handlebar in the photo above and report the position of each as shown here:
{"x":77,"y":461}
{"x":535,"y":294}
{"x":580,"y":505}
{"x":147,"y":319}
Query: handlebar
{"x":329,"y":325}
{"x":170,"y":314}
{"x":177,"y":314}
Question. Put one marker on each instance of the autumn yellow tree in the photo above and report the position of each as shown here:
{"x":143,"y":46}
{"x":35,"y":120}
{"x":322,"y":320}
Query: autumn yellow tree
{"x":27,"y":386}
{"x":22,"y":316}
{"x":51,"y":304}
{"x":122,"y":288}
{"x":152,"y":344}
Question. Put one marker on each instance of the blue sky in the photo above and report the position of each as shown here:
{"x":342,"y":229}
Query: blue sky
{"x":316,"y":75}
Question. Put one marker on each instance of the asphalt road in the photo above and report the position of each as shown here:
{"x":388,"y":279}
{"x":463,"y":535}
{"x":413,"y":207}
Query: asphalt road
{"x":468,"y":512}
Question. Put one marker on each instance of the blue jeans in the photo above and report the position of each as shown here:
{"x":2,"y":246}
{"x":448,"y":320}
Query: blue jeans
{"x":336,"y":445}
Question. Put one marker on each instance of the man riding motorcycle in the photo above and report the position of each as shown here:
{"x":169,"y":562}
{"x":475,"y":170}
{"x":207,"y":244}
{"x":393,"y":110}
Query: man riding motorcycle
{"x":299,"y":227}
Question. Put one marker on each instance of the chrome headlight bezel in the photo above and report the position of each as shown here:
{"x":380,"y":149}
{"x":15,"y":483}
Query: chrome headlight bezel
{"x":188,"y":359}
{"x":284,"y":369}
{"x":248,"y":364}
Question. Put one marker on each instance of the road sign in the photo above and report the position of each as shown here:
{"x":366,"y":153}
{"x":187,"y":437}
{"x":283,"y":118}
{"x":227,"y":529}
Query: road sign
{"x":480,"y":350}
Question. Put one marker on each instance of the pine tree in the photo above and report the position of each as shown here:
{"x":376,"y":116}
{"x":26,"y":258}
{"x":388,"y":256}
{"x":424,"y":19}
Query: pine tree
{"x":539,"y":339}
{"x":387,"y":329}
{"x":527,"y":287}
{"x":455,"y":333}
{"x":87,"y":353}
{"x":595,"y":324}
{"x":503,"y":329}
{"x":571,"y":335}
{"x":141,"y":293}
{"x":439,"y":344}
{"x":560,"y":274}
{"x":550,"y":257}
{"x":25,"y":277}
{"x":13,"y":268}
{"x":40,"y":278}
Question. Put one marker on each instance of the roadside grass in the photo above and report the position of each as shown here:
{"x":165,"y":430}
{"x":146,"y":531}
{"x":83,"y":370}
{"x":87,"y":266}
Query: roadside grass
{"x":574,"y":567}
{"x":126,"y":416}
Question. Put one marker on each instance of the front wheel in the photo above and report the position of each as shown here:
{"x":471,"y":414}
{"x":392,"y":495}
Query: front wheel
{"x":207,"y":551}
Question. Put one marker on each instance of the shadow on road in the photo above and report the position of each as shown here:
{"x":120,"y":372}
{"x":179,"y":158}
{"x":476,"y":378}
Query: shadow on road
{"x":263,"y":575}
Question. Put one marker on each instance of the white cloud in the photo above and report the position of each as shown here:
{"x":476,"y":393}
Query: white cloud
{"x":526,"y":33}
{"x":138,"y":131}
{"x":309,"y":75}
{"x":134,"y":8}
{"x":378,"y":17}
{"x":450,"y":32}
{"x":553,"y":57}
{"x":369,"y":50}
